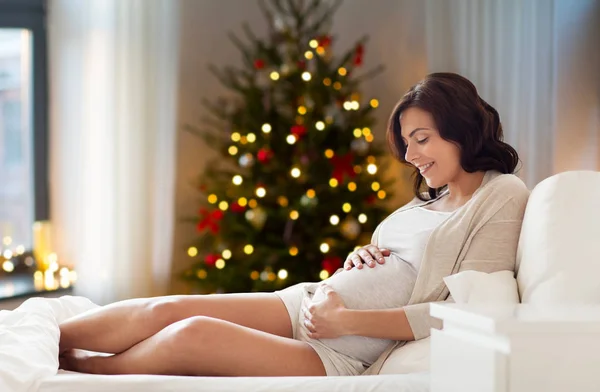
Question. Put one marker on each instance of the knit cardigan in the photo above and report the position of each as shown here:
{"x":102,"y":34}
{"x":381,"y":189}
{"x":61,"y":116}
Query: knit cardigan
{"x":482,"y":235}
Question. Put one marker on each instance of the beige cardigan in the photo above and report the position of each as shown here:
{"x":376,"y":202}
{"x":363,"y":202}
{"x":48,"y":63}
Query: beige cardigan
{"x":482,"y":235}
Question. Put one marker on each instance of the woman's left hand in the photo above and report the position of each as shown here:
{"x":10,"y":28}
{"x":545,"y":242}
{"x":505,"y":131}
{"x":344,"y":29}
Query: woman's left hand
{"x":323,"y":319}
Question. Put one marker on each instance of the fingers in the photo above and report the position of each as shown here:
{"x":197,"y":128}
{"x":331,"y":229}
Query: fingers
{"x":368,"y":254}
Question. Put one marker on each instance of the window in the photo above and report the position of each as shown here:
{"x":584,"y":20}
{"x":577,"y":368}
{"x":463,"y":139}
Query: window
{"x":23,"y":122}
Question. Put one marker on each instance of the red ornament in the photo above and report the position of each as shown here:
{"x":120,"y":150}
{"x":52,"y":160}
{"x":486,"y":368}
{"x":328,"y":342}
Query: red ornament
{"x":298,"y":131}
{"x":259,"y":63}
{"x":331,"y":264}
{"x":324,"y":41}
{"x":211,"y":259}
{"x":342,"y":165}
{"x":358,"y":55}
{"x":209,"y":220}
{"x":236,"y":207}
{"x":264,"y":155}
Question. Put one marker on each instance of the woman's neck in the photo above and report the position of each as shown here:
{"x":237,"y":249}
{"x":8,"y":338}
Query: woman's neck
{"x":462,"y":188}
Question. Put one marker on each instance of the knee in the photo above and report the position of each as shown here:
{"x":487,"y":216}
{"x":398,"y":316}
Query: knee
{"x":162,"y":310}
{"x":197,"y":331}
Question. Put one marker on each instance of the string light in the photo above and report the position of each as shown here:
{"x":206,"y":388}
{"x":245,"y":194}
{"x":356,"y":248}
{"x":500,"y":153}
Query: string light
{"x":351,"y":105}
{"x":274,"y":75}
{"x":220,"y":264}
{"x":266,"y":128}
{"x":374,"y":103}
{"x":7,"y":240}
{"x":254,"y":275}
{"x":327,"y":82}
{"x":370,"y":159}
{"x":235,"y":137}
{"x":375,"y":186}
{"x":261,"y":192}
{"x":20,"y":249}
{"x":8,"y":254}
{"x":381,"y":194}
{"x":329,"y":153}
{"x":323,"y":275}
{"x":291,"y":139}
{"x":293,"y":251}
{"x":294,"y":215}
{"x":223,"y":206}
{"x":333,"y":183}
{"x":252,"y":203}
{"x":226,"y":254}
{"x":311,"y":193}
{"x":372,"y":169}
{"x":282,"y":274}
{"x":283,"y":201}
{"x":233,"y":150}
{"x":192,"y":251}
{"x":342,"y":71}
{"x":366,"y":131}
{"x":248,"y":249}
{"x":347,"y":207}
{"x":320,"y":50}
{"x":8,"y":266}
{"x":351,"y":186}
{"x":244,"y":140}
{"x":251,"y":137}
{"x":308,"y":54}
{"x":320,"y":125}
{"x":362,"y":218}
{"x":237,"y":179}
{"x":306,"y":76}
{"x":324,"y":247}
{"x":243,"y":202}
{"x":369,"y":138}
{"x":357,"y":169}
{"x":357,"y":132}
{"x":302,"y":110}
{"x":334,"y":220}
{"x":337,"y":86}
{"x":295,"y":172}
{"x":313,"y":43}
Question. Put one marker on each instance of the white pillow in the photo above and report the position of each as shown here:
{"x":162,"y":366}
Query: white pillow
{"x":471,"y":287}
{"x":474,"y":287}
{"x":558,"y":259}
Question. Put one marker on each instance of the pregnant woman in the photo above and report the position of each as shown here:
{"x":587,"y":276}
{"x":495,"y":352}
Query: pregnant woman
{"x":468,"y":218}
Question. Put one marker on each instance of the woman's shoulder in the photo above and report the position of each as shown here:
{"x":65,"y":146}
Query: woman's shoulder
{"x":507,"y":188}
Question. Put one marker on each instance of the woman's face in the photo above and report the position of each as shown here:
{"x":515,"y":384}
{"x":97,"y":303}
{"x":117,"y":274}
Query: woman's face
{"x":437,"y":159}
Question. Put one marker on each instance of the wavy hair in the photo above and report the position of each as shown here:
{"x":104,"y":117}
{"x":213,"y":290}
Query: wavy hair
{"x":462,"y":117}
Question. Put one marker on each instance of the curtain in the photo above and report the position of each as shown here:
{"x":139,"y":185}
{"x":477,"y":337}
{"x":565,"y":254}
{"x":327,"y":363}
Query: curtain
{"x":517,"y":54}
{"x":113,"y":88}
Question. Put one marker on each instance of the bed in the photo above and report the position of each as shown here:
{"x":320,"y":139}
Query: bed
{"x":29,"y":338}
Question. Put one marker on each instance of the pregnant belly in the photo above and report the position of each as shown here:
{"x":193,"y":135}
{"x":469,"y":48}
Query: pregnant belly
{"x":385,"y":286}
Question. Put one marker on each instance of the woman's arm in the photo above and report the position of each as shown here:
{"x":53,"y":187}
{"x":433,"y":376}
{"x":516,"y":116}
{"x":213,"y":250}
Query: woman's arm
{"x":384,"y":323}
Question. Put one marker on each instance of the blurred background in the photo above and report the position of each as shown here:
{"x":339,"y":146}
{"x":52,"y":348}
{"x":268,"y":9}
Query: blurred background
{"x":99,"y":177}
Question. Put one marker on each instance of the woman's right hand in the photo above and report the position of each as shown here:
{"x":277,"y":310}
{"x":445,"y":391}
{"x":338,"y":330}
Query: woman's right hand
{"x":368,"y":254}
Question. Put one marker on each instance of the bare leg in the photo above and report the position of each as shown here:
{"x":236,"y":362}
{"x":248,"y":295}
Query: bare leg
{"x":117,"y":327}
{"x":204,"y":346}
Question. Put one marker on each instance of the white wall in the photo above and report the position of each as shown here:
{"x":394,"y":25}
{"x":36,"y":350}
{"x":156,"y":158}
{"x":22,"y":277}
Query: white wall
{"x":397,"y":39}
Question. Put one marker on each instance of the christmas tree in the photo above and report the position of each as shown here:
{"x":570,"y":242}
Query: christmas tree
{"x":297,"y":184}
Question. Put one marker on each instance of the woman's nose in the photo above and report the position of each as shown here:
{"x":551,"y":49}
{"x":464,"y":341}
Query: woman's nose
{"x":411,"y":153}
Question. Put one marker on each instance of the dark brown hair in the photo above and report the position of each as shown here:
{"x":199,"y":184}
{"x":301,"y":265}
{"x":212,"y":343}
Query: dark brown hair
{"x":462,"y":117}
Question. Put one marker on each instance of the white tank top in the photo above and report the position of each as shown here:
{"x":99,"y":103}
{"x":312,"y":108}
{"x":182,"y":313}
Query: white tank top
{"x":385,"y":286}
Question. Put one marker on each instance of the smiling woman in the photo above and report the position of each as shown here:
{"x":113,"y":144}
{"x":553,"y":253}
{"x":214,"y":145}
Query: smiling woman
{"x":443,"y":128}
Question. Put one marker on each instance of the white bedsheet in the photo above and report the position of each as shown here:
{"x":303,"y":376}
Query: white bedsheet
{"x":29,"y":338}
{"x":75,"y":382}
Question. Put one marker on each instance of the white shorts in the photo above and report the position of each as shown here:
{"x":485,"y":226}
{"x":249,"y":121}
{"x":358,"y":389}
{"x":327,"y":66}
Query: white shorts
{"x":335,"y":363}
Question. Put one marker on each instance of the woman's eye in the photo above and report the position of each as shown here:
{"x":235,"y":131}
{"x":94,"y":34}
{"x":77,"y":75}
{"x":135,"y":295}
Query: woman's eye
{"x":423,"y":140}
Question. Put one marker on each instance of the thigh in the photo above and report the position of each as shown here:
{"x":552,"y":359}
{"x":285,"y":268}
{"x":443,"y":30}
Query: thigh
{"x":213,"y":347}
{"x":261,"y":311}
